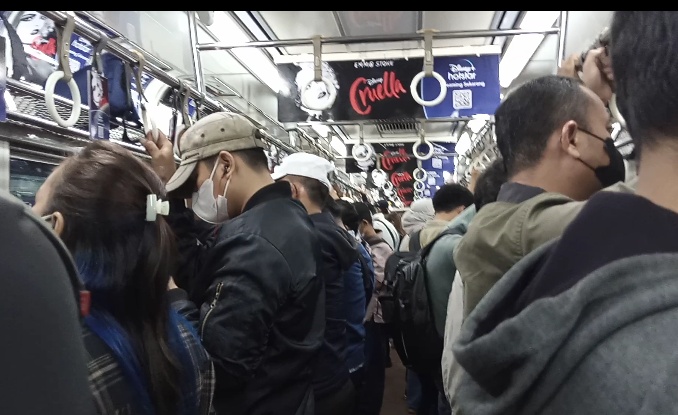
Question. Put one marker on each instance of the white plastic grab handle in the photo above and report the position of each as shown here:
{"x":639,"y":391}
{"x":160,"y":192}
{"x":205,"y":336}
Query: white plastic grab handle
{"x":379,"y":176}
{"x":51,"y":105}
{"x":416,"y":174}
{"x":149,"y":124}
{"x":441,"y":95}
{"x":314,"y":103}
{"x":387,"y":186}
{"x":415,"y":150}
{"x":362,"y":152}
{"x":419,"y":186}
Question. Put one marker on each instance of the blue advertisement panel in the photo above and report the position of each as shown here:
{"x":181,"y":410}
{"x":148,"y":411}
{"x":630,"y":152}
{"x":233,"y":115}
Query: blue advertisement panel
{"x":442,"y":161}
{"x":472,"y":86}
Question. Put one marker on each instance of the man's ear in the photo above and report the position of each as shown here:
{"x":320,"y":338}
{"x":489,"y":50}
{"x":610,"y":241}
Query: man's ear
{"x":569,"y":139}
{"x":228,"y":164}
{"x":58,"y":223}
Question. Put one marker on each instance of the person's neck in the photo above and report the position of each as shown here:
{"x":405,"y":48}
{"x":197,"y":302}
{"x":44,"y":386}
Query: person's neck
{"x":369,"y":232}
{"x":257,"y":182}
{"x":312,"y":209}
{"x":444,"y":216}
{"x":549,"y":179}
{"x":657,"y":174}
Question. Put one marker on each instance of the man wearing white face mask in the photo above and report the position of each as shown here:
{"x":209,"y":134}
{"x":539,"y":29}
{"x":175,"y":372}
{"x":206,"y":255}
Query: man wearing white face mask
{"x":261,"y":303}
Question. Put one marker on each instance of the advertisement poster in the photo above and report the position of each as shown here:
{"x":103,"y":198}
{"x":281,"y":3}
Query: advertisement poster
{"x":472,"y":86}
{"x":39,"y":38}
{"x":396,"y":161}
{"x":3,"y":81}
{"x":366,"y":90}
{"x":99,"y":109}
{"x":380,"y":89}
{"x":441,"y":162}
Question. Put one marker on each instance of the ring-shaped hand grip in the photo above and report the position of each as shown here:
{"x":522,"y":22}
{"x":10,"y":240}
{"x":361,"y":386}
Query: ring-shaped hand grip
{"x":379,"y":175}
{"x":51,"y":105}
{"x":415,"y":150}
{"x":441,"y":95}
{"x":362,"y":152}
{"x":149,"y":124}
{"x":387,"y":186}
{"x":314,"y":103}
{"x":419,"y":186}
{"x":419,"y":174}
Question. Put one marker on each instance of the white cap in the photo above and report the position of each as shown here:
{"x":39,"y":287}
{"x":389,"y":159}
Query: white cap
{"x":304,"y":165}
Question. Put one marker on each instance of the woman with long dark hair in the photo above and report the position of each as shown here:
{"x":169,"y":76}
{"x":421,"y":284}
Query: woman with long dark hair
{"x":144,"y":357}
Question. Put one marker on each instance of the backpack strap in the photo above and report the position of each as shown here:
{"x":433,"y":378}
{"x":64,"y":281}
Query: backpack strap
{"x":415,"y":241}
{"x":427,"y":249}
{"x":18,"y":54}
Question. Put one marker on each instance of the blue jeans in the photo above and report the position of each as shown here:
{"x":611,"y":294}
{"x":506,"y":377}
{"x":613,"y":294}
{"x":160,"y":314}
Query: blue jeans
{"x":413,"y":390}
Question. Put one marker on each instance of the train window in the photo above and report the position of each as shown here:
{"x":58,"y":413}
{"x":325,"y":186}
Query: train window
{"x":26,"y":177}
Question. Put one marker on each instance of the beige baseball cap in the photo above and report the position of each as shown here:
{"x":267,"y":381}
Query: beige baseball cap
{"x":221,"y":131}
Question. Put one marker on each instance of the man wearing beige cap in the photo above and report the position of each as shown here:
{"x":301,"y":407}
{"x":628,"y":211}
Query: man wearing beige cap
{"x":307,"y":174}
{"x":261,"y":303}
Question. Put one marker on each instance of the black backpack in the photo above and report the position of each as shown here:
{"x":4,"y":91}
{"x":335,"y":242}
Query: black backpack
{"x":393,"y":263}
{"x":413,"y":328}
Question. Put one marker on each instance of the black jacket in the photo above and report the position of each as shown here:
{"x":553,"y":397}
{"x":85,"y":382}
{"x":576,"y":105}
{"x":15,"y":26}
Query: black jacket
{"x":194,"y":239}
{"x":337,"y":256}
{"x":262,"y":316}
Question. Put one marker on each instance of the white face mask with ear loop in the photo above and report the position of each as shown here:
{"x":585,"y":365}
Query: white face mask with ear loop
{"x":206,"y":206}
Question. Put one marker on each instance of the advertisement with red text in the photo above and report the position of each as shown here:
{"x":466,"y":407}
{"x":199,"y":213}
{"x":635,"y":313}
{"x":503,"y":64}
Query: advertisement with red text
{"x":396,"y":161}
{"x":380,"y":89}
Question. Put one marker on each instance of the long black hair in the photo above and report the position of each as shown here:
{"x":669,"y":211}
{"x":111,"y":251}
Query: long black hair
{"x":125,"y":262}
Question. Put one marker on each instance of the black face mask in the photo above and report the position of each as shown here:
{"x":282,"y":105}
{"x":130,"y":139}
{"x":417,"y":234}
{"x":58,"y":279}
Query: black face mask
{"x":613,"y":172}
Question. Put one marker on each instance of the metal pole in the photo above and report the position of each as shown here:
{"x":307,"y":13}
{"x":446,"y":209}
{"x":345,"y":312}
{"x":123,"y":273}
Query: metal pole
{"x":562,"y":34}
{"x":197,"y":62}
{"x":90,"y":33}
{"x":348,"y":40}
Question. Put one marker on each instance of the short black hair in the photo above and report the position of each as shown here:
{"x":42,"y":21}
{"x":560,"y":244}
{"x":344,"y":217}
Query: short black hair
{"x":317,"y":192}
{"x":364,"y":212}
{"x":645,"y":66}
{"x":488,"y":184}
{"x":450,"y":196}
{"x":255,"y":158}
{"x":349,"y":216}
{"x":528,"y":116}
{"x":382,"y":205}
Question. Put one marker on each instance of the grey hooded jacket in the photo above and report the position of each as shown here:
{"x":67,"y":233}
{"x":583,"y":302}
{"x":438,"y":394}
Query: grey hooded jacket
{"x":606,"y":344}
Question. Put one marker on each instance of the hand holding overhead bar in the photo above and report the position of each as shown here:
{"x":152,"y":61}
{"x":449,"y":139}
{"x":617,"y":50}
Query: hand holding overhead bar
{"x":63,"y":71}
{"x":312,"y":100}
{"x":428,"y":72}
{"x":149,"y":124}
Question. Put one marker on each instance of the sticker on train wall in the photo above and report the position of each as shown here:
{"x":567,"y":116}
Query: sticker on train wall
{"x":3,"y":81}
{"x":99,"y":108}
{"x":472,"y":86}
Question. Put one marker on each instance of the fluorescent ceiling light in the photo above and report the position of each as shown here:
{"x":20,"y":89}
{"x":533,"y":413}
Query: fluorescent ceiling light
{"x":255,"y":61}
{"x":463,"y":144}
{"x":522,"y":47}
{"x":338,"y":146}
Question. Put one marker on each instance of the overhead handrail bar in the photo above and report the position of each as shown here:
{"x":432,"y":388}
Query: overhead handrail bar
{"x":92,"y":34}
{"x":197,"y":62}
{"x":562,"y":24}
{"x":348,"y":40}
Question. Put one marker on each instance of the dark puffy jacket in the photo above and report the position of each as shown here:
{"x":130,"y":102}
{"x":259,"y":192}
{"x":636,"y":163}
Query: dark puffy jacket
{"x":337,"y":256}
{"x":262,"y":307}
